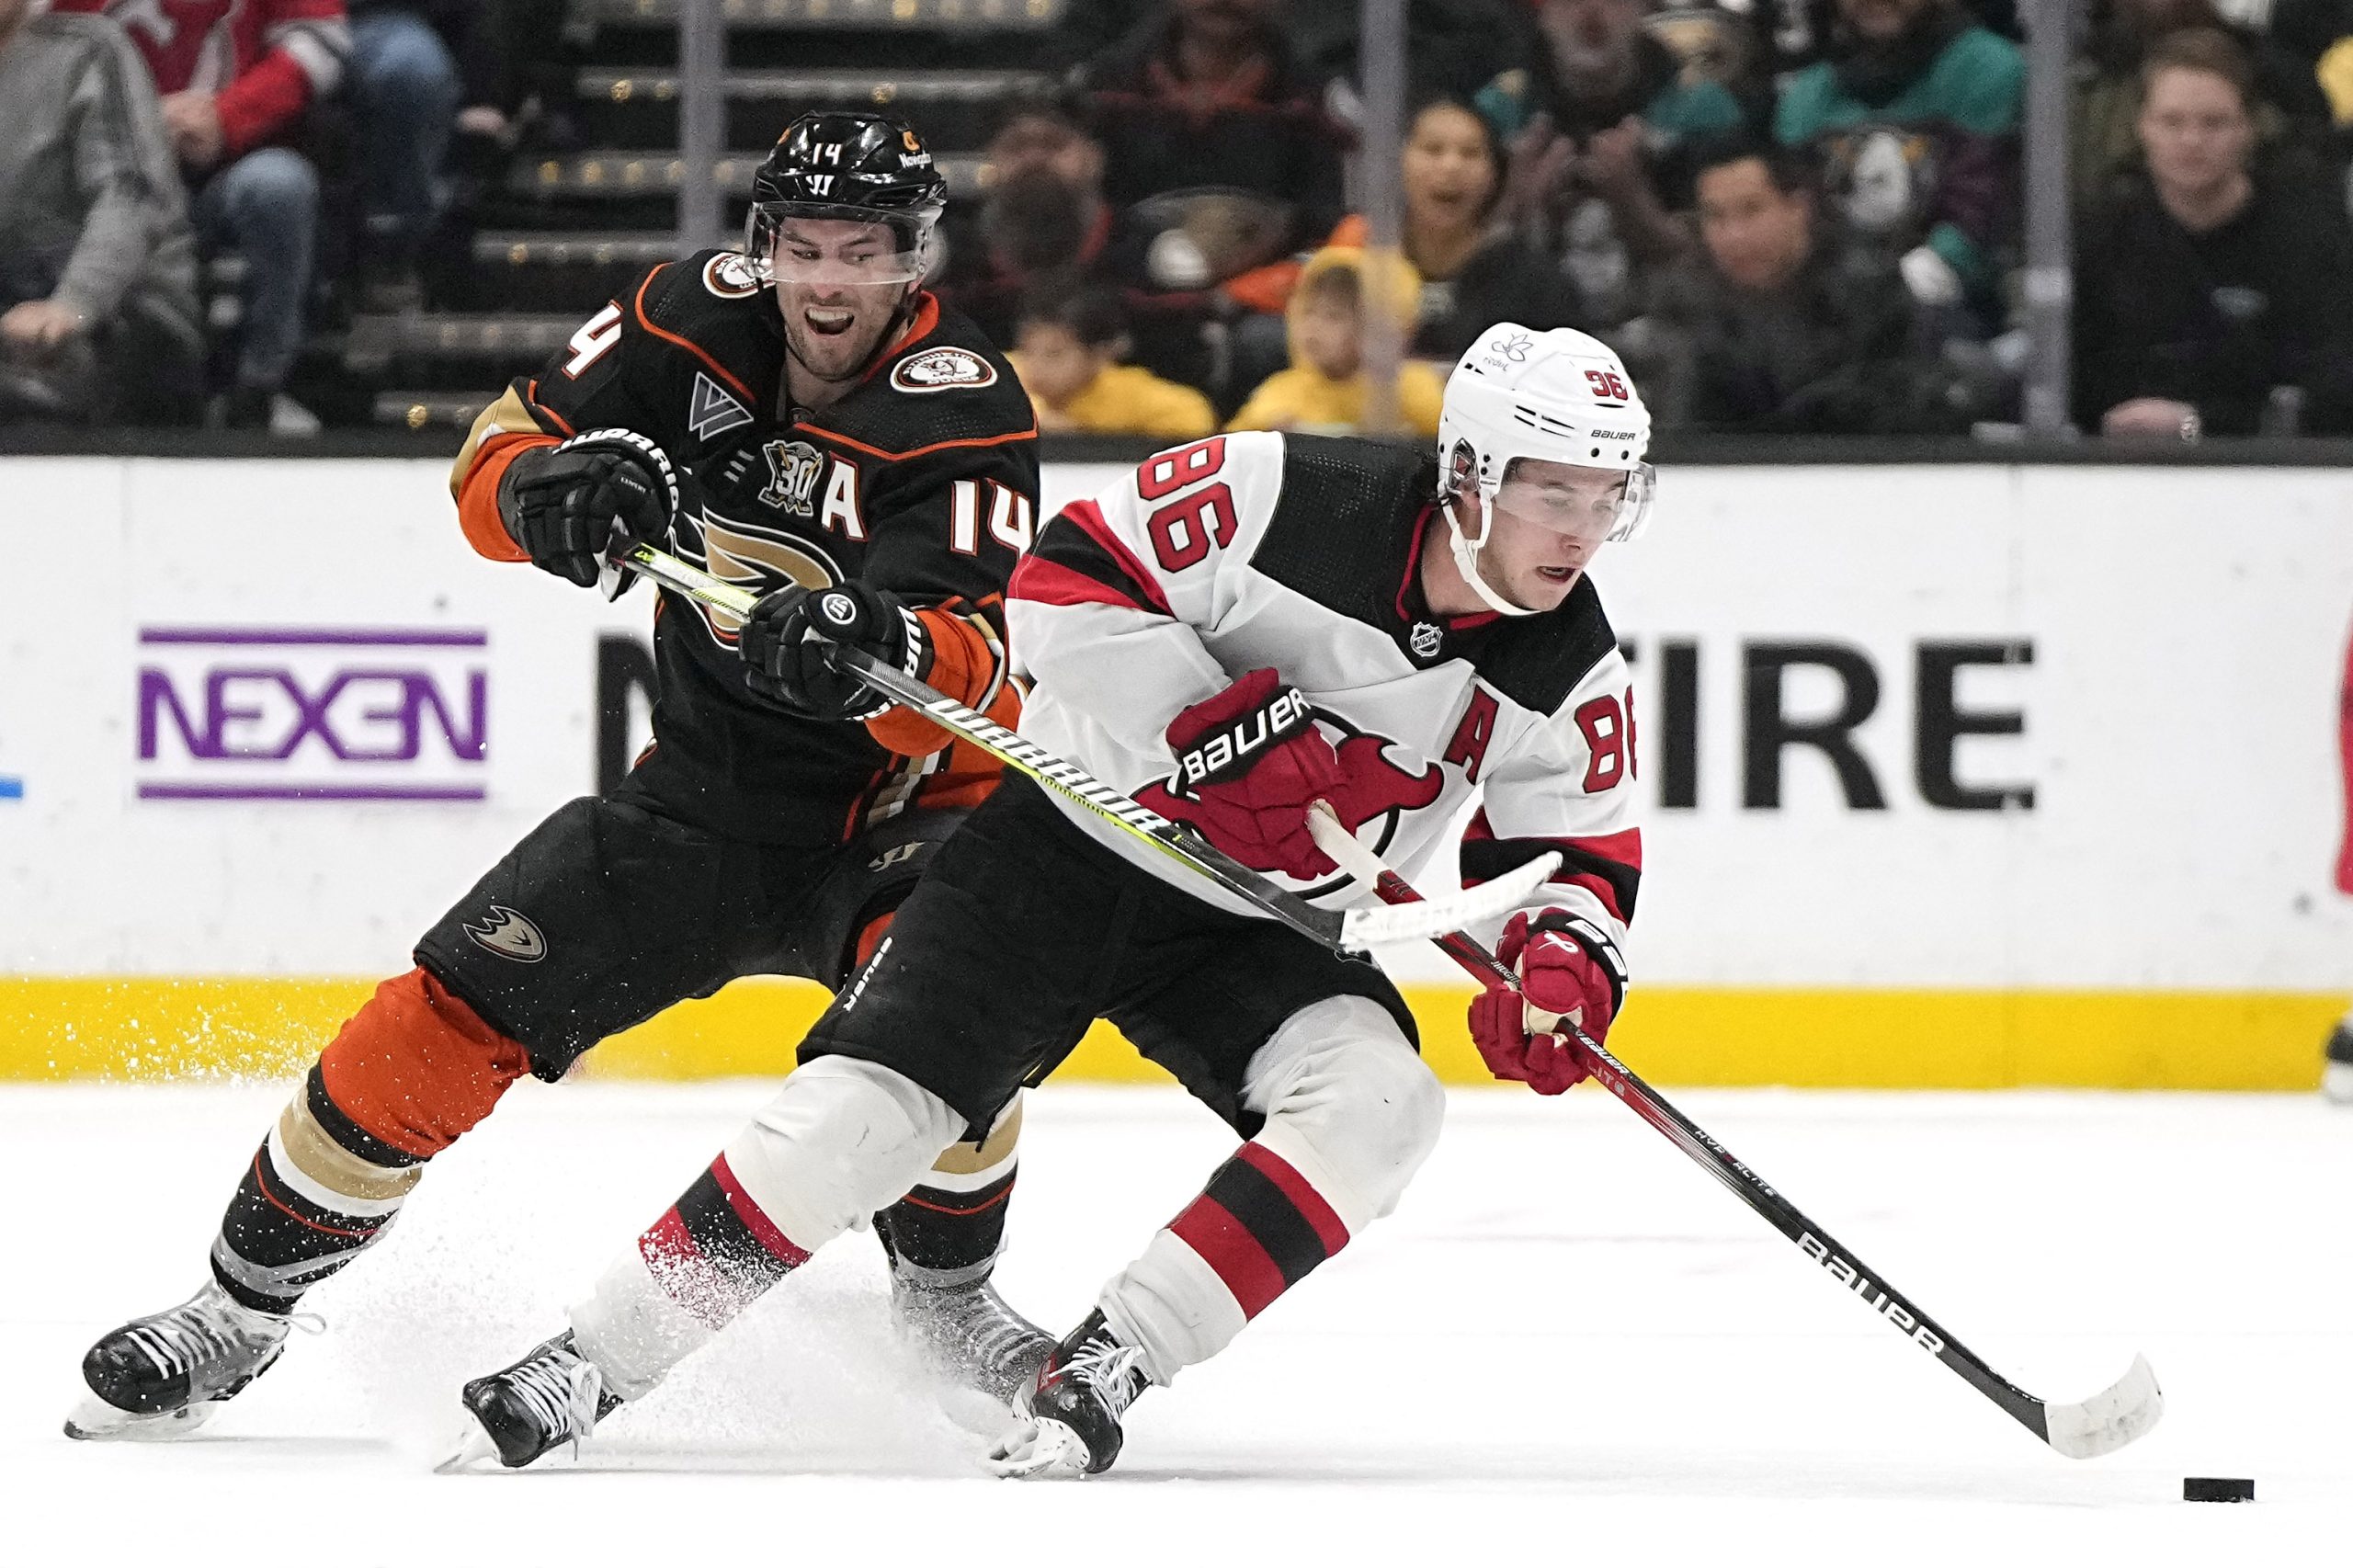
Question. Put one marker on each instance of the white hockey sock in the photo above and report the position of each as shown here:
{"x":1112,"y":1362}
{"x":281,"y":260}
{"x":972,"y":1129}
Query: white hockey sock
{"x":842,"y":1137}
{"x":1351,"y":1113}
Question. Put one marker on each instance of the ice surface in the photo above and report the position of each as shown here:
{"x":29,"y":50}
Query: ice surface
{"x":1568,"y":1346}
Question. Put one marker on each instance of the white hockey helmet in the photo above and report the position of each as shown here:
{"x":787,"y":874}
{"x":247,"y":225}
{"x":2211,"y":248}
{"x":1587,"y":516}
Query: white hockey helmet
{"x":1559,"y":396}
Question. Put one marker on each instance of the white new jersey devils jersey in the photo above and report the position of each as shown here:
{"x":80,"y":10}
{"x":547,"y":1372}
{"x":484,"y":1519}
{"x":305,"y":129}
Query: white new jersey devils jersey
{"x":1301,"y":553}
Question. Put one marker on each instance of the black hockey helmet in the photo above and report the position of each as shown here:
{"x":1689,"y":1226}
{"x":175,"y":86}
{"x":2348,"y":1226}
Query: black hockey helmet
{"x":863,"y":168}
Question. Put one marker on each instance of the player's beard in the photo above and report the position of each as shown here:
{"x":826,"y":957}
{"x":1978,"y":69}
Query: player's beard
{"x":832,"y":353}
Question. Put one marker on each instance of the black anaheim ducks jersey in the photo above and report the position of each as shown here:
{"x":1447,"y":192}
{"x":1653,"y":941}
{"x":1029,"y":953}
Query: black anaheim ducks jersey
{"x":922,"y":479}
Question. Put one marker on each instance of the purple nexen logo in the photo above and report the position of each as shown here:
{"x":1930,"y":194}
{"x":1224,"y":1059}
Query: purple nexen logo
{"x":300,"y":714}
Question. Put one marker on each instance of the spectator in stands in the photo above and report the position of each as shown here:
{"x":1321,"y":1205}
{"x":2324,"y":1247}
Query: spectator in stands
{"x":2217,"y":293}
{"x":1469,"y":273}
{"x":1042,"y":214}
{"x":235,"y":82}
{"x":1327,"y":388}
{"x":1210,"y":94}
{"x":1729,"y":42}
{"x":1072,"y":340}
{"x":1045,"y":216}
{"x":1777,"y":325}
{"x":2289,"y":103}
{"x":405,"y":92}
{"x":1596,"y":123}
{"x":1915,"y":118}
{"x":97,"y":266}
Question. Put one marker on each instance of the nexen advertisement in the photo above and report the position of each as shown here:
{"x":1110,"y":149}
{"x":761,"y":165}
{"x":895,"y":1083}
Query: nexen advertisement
{"x":1972,"y":728}
{"x":322,"y":713}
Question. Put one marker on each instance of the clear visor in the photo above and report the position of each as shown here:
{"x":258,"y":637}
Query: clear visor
{"x":1598,"y":504}
{"x":791,"y":246}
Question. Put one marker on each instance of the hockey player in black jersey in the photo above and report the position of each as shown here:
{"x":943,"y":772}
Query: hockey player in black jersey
{"x":1246,"y":628}
{"x":796,"y":417}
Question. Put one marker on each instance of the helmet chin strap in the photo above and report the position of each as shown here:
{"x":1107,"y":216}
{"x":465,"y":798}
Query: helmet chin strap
{"x":1466,"y":553}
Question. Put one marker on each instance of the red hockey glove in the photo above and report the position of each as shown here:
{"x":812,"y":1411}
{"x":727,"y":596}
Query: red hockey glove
{"x":1561,"y":974}
{"x":1249,"y":761}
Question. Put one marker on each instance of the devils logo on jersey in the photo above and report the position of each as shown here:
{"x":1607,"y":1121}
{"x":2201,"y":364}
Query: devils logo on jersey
{"x":1376,"y":789}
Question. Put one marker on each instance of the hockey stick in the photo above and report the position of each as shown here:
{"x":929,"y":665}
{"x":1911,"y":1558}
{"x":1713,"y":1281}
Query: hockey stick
{"x":1349,"y":930}
{"x":2100,"y":1424}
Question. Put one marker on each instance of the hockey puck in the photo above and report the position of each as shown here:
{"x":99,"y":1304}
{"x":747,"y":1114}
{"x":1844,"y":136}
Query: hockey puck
{"x":2216,"y":1489}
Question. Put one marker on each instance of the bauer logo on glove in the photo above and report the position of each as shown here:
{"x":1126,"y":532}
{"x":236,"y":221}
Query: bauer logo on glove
{"x":1230,"y":750}
{"x":1249,"y":762}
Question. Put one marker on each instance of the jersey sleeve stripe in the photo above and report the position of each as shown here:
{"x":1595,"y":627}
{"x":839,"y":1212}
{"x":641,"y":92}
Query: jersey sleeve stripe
{"x":1051,"y":583}
{"x":1608,"y":866}
{"x":721,"y":372}
{"x":508,"y":428}
{"x":965,"y":664}
{"x":1088,"y":546}
{"x":564,"y":425}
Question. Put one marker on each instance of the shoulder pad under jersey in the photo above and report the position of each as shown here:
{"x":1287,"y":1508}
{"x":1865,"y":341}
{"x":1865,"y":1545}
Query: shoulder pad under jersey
{"x":710,"y":314}
{"x":1343,"y":519}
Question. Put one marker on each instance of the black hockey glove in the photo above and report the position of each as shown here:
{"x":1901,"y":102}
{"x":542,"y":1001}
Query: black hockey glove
{"x":562,"y":503}
{"x":785,"y":639}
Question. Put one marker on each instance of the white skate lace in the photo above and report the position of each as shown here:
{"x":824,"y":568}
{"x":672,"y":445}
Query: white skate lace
{"x":209,"y":1333}
{"x":559,"y":1389}
{"x":1110,"y":1369}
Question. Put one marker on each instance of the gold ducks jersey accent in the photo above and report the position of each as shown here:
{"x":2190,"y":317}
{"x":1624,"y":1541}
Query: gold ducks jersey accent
{"x":1303,"y":554}
{"x":922,"y":480}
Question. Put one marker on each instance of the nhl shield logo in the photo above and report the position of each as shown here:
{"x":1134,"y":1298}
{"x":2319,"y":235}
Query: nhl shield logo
{"x":794,"y":469}
{"x":1424,"y":639}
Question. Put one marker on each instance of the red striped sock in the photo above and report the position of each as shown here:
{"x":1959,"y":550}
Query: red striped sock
{"x":715,"y":1251}
{"x":1260,"y":1226}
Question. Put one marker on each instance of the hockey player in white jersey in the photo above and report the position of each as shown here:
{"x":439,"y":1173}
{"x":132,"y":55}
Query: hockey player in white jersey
{"x":1246,"y":628}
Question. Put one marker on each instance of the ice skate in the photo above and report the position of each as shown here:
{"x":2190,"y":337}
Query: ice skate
{"x":2336,"y":1070}
{"x":162,"y":1376}
{"x":1067,"y":1422}
{"x":553,"y":1396}
{"x":975,"y":1345}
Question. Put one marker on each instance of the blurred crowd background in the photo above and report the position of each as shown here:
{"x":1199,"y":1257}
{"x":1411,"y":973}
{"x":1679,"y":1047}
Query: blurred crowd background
{"x":1790,"y":216}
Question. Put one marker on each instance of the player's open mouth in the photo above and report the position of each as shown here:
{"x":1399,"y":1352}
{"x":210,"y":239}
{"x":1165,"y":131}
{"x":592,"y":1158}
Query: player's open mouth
{"x":829,"y":324}
{"x":1558,"y":573}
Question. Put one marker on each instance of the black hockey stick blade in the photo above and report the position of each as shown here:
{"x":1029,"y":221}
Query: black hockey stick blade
{"x":2102,"y":1424}
{"x":1350,"y":930}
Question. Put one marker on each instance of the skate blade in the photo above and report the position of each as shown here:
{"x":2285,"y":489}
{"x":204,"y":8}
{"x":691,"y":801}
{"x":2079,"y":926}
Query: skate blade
{"x":472,"y":1454}
{"x":96,"y":1421}
{"x":1040,"y":1451}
